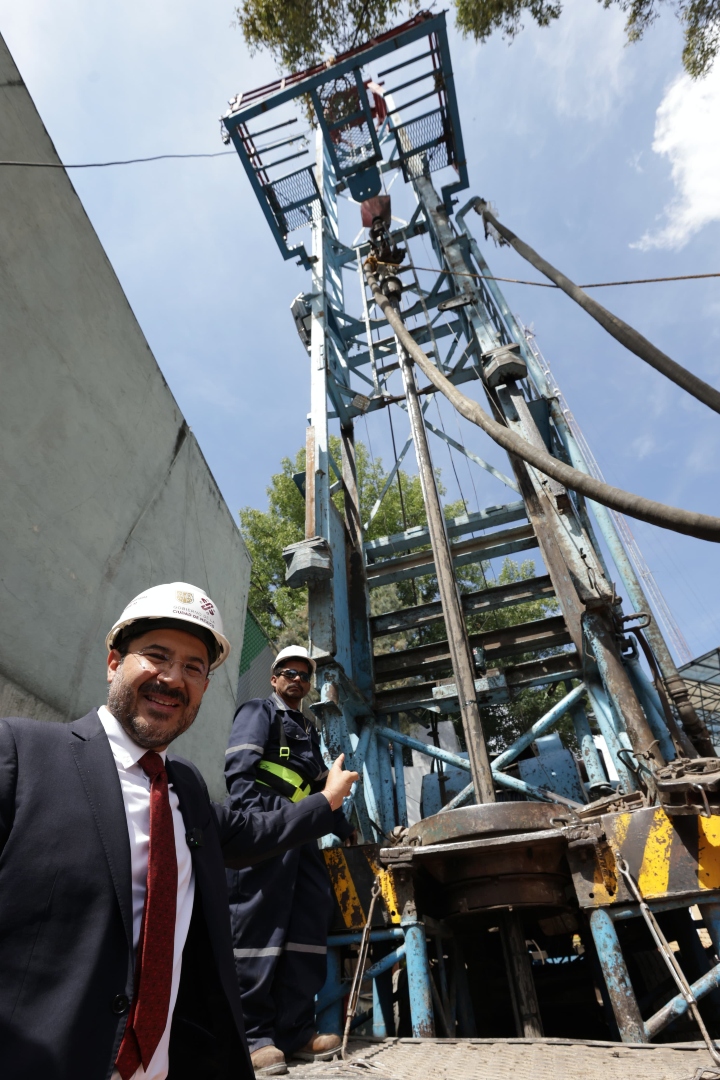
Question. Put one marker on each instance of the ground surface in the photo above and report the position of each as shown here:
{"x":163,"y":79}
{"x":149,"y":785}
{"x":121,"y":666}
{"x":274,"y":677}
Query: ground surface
{"x":514,"y":1059}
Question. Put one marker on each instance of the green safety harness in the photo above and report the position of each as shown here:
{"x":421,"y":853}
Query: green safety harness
{"x":277,"y":775}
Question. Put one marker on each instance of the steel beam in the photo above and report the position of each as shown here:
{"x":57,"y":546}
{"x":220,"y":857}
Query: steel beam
{"x":478,"y":549}
{"x":539,"y":728}
{"x":620,"y":692}
{"x":358,"y":595}
{"x":437,"y":656}
{"x":461,"y":656}
{"x":617,"y":979}
{"x":494,"y":598}
{"x":419,"y":535}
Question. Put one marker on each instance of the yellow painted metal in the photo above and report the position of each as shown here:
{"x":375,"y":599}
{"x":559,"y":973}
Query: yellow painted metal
{"x":669,"y":856}
{"x":621,"y":824}
{"x":344,"y":888}
{"x":350,"y":892}
{"x":604,"y":890}
{"x":387,"y":890}
{"x":654,"y":876}
{"x":709,"y":852}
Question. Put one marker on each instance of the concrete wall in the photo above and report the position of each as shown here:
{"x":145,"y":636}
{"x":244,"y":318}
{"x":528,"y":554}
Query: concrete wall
{"x":104,"y":491}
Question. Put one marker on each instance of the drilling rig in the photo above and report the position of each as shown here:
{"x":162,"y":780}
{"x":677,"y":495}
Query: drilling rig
{"x":560,"y":884}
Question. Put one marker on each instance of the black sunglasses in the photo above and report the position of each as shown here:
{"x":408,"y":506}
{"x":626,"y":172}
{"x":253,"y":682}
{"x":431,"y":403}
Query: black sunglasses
{"x":291,"y":673}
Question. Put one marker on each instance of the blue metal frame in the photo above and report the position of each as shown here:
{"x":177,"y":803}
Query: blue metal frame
{"x":630,"y":1023}
{"x":350,"y":65}
{"x":373,"y":745}
{"x":411,"y":950}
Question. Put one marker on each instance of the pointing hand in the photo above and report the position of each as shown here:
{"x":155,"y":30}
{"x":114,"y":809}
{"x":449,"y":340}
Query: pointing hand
{"x":339,"y":783}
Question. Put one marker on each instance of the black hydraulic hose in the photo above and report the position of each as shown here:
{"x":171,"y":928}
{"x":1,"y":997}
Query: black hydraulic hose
{"x":620,"y":330}
{"x":702,"y":526}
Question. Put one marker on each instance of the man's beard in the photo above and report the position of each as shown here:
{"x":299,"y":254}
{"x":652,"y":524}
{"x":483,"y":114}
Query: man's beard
{"x":122,"y":703}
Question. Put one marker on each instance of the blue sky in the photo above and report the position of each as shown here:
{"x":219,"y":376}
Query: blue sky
{"x":602,"y":156}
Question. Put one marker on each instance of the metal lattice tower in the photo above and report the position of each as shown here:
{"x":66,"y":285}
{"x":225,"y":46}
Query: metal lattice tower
{"x":650,"y":585}
{"x":505,"y":829}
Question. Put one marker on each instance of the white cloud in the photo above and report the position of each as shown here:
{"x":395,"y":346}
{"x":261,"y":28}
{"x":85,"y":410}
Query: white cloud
{"x":686,"y":126}
{"x":643,"y":446}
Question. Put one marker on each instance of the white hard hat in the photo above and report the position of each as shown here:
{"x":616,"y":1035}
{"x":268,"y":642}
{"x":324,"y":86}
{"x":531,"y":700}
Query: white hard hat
{"x":294,"y":652}
{"x":176,"y":602}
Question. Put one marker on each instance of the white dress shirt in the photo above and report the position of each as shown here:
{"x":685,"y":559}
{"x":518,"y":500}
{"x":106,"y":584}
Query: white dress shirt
{"x":135,"y":784}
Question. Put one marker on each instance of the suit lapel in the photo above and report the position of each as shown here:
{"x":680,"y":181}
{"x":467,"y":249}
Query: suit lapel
{"x":186,"y":792}
{"x":99,"y":775}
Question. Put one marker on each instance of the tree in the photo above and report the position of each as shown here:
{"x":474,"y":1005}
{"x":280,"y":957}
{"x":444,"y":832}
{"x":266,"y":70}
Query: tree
{"x":700,"y":19}
{"x":282,"y":611}
{"x":301,"y":33}
{"x":267,"y":532}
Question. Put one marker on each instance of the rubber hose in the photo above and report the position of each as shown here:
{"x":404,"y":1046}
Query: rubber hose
{"x":702,"y":526}
{"x":620,"y":330}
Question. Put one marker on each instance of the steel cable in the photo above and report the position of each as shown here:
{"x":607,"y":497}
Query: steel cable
{"x":689,"y":522}
{"x":621,"y":331}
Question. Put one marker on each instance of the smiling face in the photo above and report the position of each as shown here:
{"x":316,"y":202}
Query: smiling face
{"x":153,"y":705}
{"x":292,"y":691}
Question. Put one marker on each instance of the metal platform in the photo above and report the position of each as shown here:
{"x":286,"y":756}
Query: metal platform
{"x":519,"y":1059}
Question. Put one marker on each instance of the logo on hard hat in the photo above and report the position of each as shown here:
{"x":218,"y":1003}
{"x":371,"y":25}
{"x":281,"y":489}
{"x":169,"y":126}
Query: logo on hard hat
{"x":206,"y":605}
{"x":185,"y":597}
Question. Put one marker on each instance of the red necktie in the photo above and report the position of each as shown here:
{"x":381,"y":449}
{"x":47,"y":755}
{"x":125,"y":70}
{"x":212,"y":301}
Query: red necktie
{"x":148,"y":1014}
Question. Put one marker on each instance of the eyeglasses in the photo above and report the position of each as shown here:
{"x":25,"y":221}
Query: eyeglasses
{"x":292,"y":673}
{"x":160,"y":662}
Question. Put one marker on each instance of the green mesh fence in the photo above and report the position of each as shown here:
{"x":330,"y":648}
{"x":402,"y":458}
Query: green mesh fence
{"x":254,"y":641}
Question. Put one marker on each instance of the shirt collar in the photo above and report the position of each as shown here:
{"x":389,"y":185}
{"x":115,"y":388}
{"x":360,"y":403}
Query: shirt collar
{"x":281,"y":704}
{"x":125,"y":751}
{"x":275,"y":697}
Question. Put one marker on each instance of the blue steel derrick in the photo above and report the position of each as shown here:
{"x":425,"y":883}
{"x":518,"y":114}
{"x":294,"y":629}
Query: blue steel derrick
{"x":605,"y":775}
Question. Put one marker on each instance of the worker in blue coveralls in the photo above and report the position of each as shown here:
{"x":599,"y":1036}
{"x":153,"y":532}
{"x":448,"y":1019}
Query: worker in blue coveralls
{"x":280,"y":908}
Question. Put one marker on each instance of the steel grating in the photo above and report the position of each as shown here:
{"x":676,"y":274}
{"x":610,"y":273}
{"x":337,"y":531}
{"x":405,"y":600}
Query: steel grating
{"x":352,"y":141}
{"x":295,"y":200}
{"x":429,"y":134}
{"x":509,"y":1059}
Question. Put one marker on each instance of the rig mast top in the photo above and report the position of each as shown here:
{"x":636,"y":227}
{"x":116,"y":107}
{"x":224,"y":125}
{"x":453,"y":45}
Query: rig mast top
{"x":347,"y":100}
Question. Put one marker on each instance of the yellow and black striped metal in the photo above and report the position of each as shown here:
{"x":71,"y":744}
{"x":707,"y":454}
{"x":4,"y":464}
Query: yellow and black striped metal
{"x":668,"y":856}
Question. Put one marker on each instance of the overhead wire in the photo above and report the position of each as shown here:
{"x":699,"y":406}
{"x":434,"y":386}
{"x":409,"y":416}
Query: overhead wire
{"x":550,"y":285}
{"x":107,"y":164}
{"x":632,"y":340}
{"x":691,"y":523}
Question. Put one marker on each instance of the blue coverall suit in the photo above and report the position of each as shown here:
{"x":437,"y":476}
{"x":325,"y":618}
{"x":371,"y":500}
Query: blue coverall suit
{"x":280,"y":908}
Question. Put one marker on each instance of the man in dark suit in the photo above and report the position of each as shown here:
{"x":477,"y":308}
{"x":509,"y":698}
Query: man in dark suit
{"x":115,"y":948}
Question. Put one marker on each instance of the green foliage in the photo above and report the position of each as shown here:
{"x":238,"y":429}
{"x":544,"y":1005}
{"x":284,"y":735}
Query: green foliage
{"x":267,"y":532}
{"x":282,"y":612}
{"x":481,"y":18}
{"x":302,"y":33}
{"x":700,"y":19}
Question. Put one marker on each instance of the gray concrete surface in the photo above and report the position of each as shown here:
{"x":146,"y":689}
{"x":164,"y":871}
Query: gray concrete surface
{"x":104,"y":490}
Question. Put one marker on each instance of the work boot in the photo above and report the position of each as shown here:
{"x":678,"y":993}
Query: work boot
{"x":320,"y":1048}
{"x":268,"y":1061}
